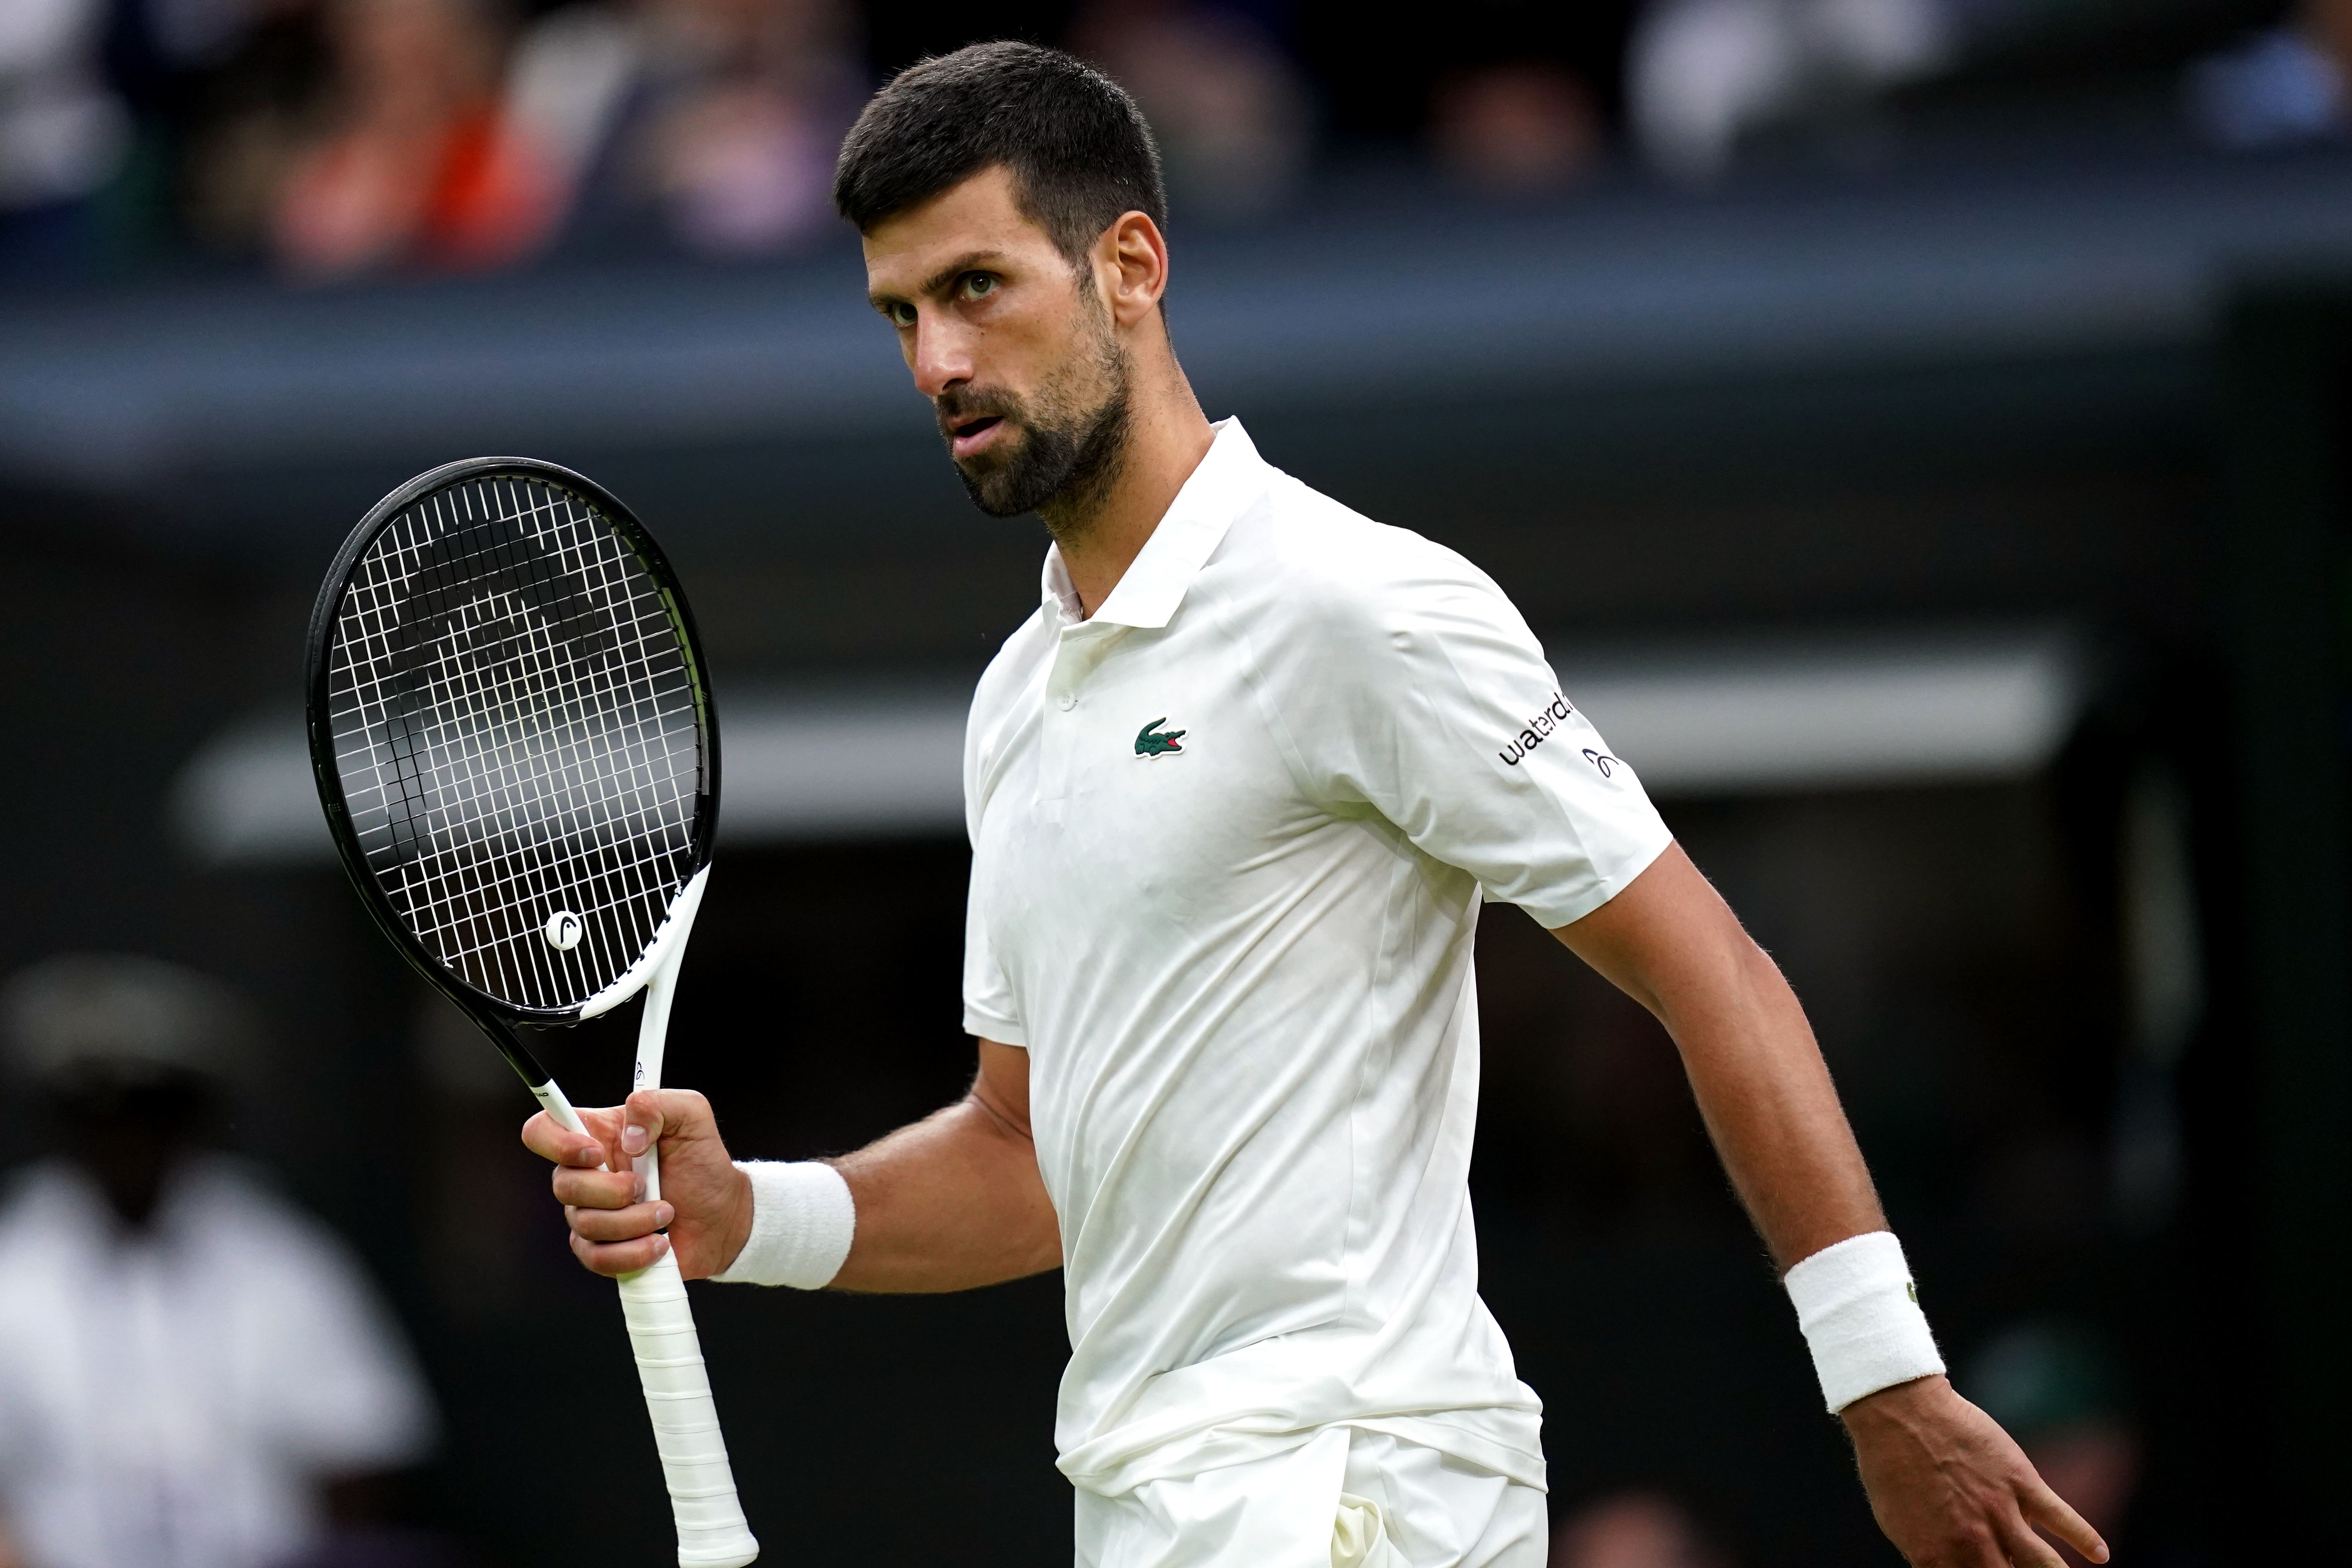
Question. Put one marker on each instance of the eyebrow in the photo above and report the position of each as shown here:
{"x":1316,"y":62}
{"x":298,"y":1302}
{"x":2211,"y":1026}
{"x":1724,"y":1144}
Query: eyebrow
{"x":971,"y":261}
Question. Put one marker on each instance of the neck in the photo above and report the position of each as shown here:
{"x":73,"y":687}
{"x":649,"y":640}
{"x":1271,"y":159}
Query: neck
{"x":1101,"y":530}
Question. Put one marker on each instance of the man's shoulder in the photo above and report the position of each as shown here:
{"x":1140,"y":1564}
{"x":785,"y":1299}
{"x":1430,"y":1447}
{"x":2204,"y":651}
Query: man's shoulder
{"x":1311,"y":556}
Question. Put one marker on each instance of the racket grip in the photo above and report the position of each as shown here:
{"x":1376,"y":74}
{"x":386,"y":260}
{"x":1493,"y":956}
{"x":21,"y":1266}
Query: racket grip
{"x":712,"y":1530}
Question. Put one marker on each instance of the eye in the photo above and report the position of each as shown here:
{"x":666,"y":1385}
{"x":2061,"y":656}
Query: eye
{"x":979,"y":285}
{"x":901,"y":314}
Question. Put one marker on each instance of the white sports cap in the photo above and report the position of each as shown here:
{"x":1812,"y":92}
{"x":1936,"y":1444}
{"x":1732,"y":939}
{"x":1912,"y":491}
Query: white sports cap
{"x":119,"y":1010}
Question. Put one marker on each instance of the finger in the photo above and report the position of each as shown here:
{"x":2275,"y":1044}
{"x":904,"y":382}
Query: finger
{"x":1966,"y":1546}
{"x":670,"y":1113}
{"x":550,"y":1140}
{"x":644,"y":1118}
{"x":613,"y":1259}
{"x":652,"y":1115}
{"x":605,"y":1190}
{"x":2025,"y":1548}
{"x":619,"y":1224}
{"x":2048,"y":1510}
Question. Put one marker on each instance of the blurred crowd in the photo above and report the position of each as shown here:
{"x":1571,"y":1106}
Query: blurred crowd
{"x":339,"y":138}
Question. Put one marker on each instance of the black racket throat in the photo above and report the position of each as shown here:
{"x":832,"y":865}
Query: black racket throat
{"x":510,"y":1045}
{"x":513,"y":739}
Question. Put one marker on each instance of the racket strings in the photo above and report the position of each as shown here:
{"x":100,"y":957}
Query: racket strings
{"x":514,"y":720}
{"x":503,"y":700}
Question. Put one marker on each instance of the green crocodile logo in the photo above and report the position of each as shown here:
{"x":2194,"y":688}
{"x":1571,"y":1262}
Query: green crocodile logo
{"x":1150,"y":745}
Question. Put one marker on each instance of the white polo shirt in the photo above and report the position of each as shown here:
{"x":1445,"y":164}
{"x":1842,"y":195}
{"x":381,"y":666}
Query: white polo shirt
{"x":1229,"y":841}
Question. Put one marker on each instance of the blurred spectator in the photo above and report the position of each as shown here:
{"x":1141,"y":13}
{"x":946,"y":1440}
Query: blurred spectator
{"x":1227,"y":105}
{"x":2057,"y":1388}
{"x":411,"y":167}
{"x":1704,"y":73}
{"x":2281,"y":86}
{"x":63,"y":134}
{"x":192,"y":1374}
{"x":1526,"y":126}
{"x":1635,"y":1529}
{"x":714,"y":121}
{"x":235,"y":90}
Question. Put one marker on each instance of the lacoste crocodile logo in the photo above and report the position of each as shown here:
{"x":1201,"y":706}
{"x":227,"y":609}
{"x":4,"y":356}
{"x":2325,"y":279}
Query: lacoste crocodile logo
{"x":1152,"y":742}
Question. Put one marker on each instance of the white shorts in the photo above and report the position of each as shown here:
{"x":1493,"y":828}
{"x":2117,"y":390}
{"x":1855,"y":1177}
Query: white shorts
{"x":1344,"y":1499}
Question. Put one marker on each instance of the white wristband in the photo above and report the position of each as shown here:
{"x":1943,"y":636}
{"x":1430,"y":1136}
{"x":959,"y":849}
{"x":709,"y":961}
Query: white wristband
{"x":1861,"y":1315}
{"x":803,"y":1221}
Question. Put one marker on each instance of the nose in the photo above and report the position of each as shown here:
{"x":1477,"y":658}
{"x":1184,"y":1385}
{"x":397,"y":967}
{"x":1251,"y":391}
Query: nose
{"x":941,"y":355}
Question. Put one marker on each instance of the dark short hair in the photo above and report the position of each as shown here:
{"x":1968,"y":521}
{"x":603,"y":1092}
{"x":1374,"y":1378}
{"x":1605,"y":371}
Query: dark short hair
{"x":1078,"y":147}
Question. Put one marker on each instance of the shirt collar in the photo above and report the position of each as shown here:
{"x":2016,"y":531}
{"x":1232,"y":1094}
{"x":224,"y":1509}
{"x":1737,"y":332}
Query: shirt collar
{"x":1229,"y":478}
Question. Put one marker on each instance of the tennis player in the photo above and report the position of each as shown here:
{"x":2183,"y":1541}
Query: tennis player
{"x":1236,"y":790}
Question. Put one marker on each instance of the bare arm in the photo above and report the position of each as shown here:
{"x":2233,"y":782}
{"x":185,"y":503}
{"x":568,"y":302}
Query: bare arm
{"x":1946,"y":1484}
{"x":951,"y":1203}
{"x":955,"y":1201}
{"x":1672,"y":943}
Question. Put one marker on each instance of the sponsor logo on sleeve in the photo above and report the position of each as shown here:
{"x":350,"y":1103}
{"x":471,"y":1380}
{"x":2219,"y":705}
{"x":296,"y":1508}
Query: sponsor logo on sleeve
{"x":1539,"y":730}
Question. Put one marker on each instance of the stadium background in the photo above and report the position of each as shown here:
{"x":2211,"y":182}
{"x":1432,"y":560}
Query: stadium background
{"x":1940,"y":472}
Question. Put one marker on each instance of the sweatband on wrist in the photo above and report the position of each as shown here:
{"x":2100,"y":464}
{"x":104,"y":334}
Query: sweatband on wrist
{"x":803,"y":1221}
{"x":1861,"y":1315}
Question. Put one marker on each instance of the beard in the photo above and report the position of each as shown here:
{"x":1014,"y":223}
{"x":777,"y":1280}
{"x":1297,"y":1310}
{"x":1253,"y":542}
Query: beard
{"x":1066,"y":448}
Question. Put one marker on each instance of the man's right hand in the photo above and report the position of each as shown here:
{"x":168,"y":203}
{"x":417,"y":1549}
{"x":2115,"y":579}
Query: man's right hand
{"x":705,"y":1201}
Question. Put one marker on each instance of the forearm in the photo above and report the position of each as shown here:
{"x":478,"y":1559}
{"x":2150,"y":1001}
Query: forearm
{"x":1948,"y":1485}
{"x":1770,"y":1108}
{"x":951,"y":1202}
{"x":1671,"y":943}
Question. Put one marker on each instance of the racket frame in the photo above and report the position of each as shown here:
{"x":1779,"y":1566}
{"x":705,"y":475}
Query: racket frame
{"x":494,"y":1015}
{"x":653,"y":1301}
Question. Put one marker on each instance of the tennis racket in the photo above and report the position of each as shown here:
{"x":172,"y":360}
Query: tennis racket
{"x":519,"y":761}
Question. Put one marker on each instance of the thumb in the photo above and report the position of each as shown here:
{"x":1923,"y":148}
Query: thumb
{"x":641,"y":1122}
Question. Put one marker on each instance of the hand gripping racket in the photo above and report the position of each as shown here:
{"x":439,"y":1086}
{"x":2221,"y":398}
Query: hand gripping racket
{"x":520,"y":763}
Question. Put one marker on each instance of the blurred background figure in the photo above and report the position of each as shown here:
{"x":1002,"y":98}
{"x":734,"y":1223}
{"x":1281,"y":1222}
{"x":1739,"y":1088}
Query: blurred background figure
{"x":712,"y":123}
{"x":1704,"y":73}
{"x":2283,"y":85}
{"x":1521,"y":126}
{"x":2058,"y":1386}
{"x":63,"y":133}
{"x":231,"y":94}
{"x":1635,"y":1529}
{"x":408,"y":166}
{"x":192,"y":1375}
{"x":1227,"y":104}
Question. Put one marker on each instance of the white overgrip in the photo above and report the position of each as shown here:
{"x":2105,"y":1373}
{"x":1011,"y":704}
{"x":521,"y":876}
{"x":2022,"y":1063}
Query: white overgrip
{"x":552,"y":1100}
{"x":712,"y":1530}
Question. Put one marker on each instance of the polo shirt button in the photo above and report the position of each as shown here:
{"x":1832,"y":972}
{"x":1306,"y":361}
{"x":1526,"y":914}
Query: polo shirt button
{"x":1067,"y":702}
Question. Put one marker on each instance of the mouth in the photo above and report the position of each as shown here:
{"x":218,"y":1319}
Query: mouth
{"x":968,"y":437}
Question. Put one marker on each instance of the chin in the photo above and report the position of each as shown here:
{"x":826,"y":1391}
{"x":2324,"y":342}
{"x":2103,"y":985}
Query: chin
{"x":989,"y":482}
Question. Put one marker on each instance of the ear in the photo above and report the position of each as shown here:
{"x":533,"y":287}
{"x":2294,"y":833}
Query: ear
{"x":1131,"y":267}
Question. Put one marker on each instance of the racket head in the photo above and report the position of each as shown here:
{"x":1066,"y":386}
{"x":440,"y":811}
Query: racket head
{"x":511,"y":730}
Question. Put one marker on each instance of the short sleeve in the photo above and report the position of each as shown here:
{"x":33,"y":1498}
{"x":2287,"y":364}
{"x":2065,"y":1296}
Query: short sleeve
{"x":987,"y":1009}
{"x":1429,"y":701}
{"x":988,"y":1006}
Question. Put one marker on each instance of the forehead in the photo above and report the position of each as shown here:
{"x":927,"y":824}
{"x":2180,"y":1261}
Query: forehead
{"x":978,"y":215}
